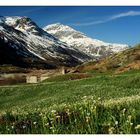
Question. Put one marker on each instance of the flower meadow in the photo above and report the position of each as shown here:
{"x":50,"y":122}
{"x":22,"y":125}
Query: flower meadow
{"x":95,"y":105}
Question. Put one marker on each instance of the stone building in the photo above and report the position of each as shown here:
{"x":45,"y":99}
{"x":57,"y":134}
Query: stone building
{"x":35,"y":78}
{"x":40,"y":75}
{"x":31,"y":79}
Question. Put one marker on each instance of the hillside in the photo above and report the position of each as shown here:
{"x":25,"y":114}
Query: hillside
{"x":119,"y":62}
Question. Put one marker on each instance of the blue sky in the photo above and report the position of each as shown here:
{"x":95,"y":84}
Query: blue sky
{"x":110,"y":24}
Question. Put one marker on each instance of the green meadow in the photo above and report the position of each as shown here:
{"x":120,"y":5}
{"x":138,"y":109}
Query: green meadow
{"x":73,"y":104}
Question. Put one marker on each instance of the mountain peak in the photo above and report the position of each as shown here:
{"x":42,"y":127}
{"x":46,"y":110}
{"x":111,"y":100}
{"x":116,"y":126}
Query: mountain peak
{"x":23,"y":24}
{"x":79,"y":40}
{"x":59,"y":27}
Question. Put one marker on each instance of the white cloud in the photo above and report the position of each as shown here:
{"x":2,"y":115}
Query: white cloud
{"x":114,"y":17}
{"x":121,"y":15}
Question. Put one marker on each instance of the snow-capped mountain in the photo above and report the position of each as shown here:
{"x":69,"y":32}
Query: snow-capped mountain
{"x":22,"y":37}
{"x":92,"y":47}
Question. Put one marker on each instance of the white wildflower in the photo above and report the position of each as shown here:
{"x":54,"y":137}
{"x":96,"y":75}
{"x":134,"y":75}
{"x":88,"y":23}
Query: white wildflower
{"x":110,"y":130}
{"x":131,"y":124}
{"x":116,"y":122}
{"x":94,"y":101}
{"x":51,"y":127}
{"x":40,"y":114}
{"x":53,"y":111}
{"x":138,"y":126}
{"x":57,"y":116}
{"x":34,"y":123}
{"x":129,"y":117}
{"x":87,"y":119}
{"x":88,"y":114}
{"x":47,"y":124}
{"x":124,"y":110}
{"x":23,"y":126}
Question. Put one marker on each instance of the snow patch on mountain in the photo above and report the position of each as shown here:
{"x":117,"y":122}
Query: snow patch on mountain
{"x":11,"y":21}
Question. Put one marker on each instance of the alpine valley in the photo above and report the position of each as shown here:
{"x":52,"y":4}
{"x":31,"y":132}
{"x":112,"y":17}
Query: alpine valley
{"x":23,"y":43}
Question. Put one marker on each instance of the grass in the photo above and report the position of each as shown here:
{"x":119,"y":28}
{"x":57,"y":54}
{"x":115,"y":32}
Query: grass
{"x":73,"y":76}
{"x":92,"y":105}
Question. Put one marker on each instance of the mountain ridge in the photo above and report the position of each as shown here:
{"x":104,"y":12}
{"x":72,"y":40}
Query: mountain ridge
{"x":93,"y":47}
{"x":24,"y":33}
{"x":31,"y":44}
